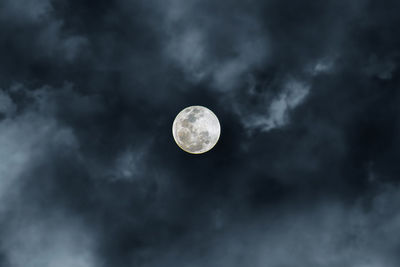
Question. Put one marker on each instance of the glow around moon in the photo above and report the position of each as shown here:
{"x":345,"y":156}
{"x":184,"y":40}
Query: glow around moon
{"x":196,"y":129}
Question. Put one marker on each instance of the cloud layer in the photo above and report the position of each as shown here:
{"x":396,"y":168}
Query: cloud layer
{"x":305,"y":172}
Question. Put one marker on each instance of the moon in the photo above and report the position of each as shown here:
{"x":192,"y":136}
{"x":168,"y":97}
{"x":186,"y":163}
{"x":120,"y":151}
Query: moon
{"x":196,"y":129}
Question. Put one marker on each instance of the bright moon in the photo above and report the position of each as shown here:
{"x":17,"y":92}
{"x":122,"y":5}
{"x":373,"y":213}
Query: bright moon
{"x":196,"y":129}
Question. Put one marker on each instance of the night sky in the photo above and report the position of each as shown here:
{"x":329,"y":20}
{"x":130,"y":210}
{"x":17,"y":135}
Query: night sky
{"x":306,"y":171}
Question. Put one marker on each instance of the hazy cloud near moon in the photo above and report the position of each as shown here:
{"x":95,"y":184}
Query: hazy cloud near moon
{"x":221,"y":48}
{"x":305,"y":172}
{"x":277,"y":108}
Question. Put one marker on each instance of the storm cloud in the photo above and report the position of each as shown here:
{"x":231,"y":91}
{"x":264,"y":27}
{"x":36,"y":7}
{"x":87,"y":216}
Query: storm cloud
{"x":305,"y":172}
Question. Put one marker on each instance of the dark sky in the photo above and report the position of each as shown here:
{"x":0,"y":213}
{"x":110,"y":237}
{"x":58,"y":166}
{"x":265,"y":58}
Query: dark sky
{"x":305,"y":174}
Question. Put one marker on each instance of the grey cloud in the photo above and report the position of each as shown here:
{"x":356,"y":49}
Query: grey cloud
{"x":194,"y":40}
{"x":24,"y":140}
{"x":276,"y":112}
{"x":226,"y":59}
{"x":44,"y":112}
{"x":325,"y":235}
{"x":129,"y":165}
{"x":7,"y":106}
{"x":31,"y":236}
{"x":32,"y":31}
{"x":26,"y":11}
{"x":322,"y":66}
{"x":381,"y":68}
{"x":91,"y":176}
{"x":53,"y":42}
{"x":54,"y":240}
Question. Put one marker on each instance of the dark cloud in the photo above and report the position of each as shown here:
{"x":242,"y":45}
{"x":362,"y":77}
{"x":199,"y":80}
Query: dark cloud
{"x":305,"y":172}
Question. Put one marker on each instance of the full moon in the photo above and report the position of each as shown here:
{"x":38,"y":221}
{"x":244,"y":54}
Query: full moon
{"x":196,"y":129}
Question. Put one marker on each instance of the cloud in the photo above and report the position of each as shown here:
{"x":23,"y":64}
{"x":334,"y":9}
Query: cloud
{"x":53,"y":112}
{"x":194,"y":41}
{"x":381,"y":68}
{"x":33,"y":34}
{"x":275,"y":111}
{"x":25,"y":140}
{"x":90,"y":174}
{"x":322,"y":66}
{"x":53,"y":42}
{"x":31,"y":236}
{"x":50,"y":241}
{"x":325,"y":234}
{"x":7,"y":106}
{"x":27,"y":11}
{"x":130,"y":164}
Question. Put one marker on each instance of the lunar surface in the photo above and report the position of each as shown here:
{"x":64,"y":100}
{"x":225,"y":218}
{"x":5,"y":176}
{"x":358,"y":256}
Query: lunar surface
{"x":196,"y":129}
